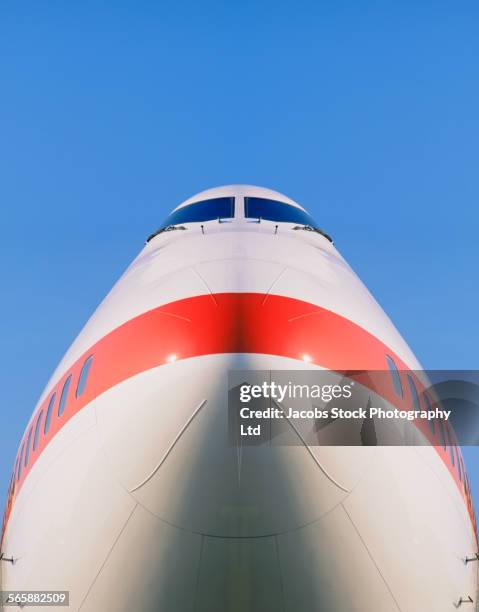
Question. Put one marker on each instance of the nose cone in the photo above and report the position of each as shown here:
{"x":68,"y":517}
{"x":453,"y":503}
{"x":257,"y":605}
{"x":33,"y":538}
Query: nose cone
{"x":170,"y":447}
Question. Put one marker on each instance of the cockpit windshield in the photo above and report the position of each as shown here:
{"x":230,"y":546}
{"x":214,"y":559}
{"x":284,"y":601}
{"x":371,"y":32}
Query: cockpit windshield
{"x":223,"y":208}
{"x":271,"y":210}
{"x":207,"y":210}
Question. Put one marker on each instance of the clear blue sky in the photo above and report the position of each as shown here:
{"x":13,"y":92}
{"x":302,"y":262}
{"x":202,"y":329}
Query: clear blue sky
{"x":112,"y":113}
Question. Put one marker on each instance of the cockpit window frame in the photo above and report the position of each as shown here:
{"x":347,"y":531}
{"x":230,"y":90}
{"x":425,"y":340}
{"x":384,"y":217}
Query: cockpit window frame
{"x":301,"y":216}
{"x":277,"y":211}
{"x":211,"y":209}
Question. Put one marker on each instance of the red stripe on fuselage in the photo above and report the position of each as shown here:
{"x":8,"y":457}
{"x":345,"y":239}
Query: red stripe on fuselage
{"x":223,"y":323}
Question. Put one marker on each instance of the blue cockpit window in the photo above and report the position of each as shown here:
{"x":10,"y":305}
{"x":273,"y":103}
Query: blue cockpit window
{"x":207,"y":210}
{"x":271,"y":210}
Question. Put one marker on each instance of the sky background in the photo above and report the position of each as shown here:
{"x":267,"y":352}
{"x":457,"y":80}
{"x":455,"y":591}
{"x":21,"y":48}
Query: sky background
{"x":113,"y":113}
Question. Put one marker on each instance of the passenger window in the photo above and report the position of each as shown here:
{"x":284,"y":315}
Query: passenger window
{"x":64,"y":396}
{"x":15,"y":469}
{"x":12,"y":487}
{"x":415,"y":397}
{"x":451,"y":446}
{"x":27,"y":448}
{"x":395,"y":376}
{"x":464,"y":475}
{"x":459,"y":468}
{"x":441,"y":432}
{"x":48,"y":417}
{"x":19,"y":470}
{"x":427,"y":401}
{"x":37,"y":430}
{"x":82,"y":380}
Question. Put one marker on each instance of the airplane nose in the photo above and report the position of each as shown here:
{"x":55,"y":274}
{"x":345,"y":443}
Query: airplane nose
{"x":165,"y":434}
